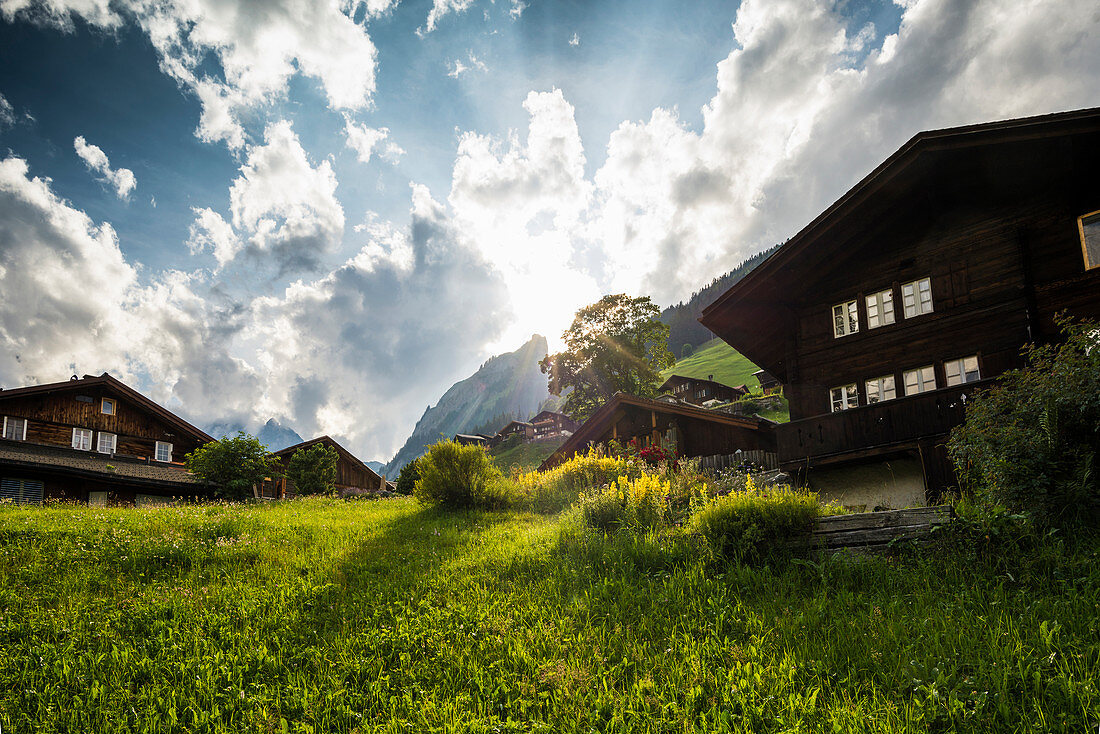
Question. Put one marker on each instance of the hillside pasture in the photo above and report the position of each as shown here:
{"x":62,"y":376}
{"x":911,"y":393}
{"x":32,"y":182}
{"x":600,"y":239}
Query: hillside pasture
{"x":319,"y":615}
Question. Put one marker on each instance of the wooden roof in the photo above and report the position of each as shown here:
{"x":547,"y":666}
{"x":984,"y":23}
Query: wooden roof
{"x":119,"y":388}
{"x":598,"y":423}
{"x":755,"y":313}
{"x":665,"y":385}
{"x":332,"y":443}
{"x":92,"y":465}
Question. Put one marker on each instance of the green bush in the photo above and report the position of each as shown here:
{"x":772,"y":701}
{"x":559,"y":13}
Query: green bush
{"x":558,"y":488}
{"x":636,"y":504}
{"x":1031,"y":443}
{"x":234,"y":466}
{"x":454,"y":476}
{"x":406,"y":479}
{"x":755,"y":524}
{"x":313,"y":470}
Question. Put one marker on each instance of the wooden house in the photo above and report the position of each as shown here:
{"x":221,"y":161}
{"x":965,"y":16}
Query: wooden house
{"x":352,"y":475}
{"x":524,"y":430}
{"x":93,"y":440}
{"x":697,"y":391}
{"x":768,"y":383}
{"x":470,"y":439}
{"x":915,"y":288}
{"x":549,"y":424}
{"x":691,"y":430}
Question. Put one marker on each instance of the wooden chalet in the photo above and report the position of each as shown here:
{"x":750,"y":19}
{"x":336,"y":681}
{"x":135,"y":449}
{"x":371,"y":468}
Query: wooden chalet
{"x":697,"y":391}
{"x":915,"y":288}
{"x":693,"y":431}
{"x":549,"y":424}
{"x":471,"y":439}
{"x":768,"y":383}
{"x":93,"y":440}
{"x":352,"y":475}
{"x":524,"y":430}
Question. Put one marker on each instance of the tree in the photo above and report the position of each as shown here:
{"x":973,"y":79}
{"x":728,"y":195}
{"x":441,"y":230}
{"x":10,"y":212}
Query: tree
{"x":313,"y":469}
{"x":406,"y":480}
{"x":1031,"y":443}
{"x":617,"y":344}
{"x":234,"y":466}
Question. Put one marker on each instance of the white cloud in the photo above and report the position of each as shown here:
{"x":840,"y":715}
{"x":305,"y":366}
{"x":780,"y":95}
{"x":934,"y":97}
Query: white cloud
{"x":368,"y":141}
{"x":74,"y":304}
{"x":575,"y":40}
{"x":441,"y":8}
{"x":258,"y":45}
{"x":210,"y":231}
{"x":473,"y":64}
{"x":523,"y":203}
{"x":121,"y":179}
{"x":517,"y":9}
{"x":358,"y":352}
{"x":7,"y":112}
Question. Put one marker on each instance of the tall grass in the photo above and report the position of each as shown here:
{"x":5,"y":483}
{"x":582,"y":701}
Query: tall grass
{"x":317,"y":615}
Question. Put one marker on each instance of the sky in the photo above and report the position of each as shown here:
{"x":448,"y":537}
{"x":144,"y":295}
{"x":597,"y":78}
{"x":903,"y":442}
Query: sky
{"x":328,"y":212}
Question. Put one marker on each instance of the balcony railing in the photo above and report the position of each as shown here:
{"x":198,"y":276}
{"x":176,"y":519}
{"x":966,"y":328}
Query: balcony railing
{"x":881,"y":425}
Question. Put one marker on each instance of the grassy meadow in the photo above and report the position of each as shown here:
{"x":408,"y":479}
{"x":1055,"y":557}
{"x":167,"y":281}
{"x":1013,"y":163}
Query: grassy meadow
{"x":715,"y":358}
{"x":321,"y":615}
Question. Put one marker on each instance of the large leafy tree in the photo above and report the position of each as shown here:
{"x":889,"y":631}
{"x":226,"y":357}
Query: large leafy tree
{"x":234,"y":465}
{"x":617,"y":344}
{"x":313,"y":469}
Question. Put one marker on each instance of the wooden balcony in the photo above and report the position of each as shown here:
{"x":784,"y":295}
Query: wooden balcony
{"x":873,"y":429}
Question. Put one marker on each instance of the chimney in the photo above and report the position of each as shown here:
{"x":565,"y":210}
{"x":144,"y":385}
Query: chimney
{"x":710,"y":378}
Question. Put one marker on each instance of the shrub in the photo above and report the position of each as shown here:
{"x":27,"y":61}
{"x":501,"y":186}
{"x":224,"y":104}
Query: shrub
{"x":458,"y":477}
{"x":755,"y":524}
{"x":1031,"y":442}
{"x":406,"y":479}
{"x":638,"y":504}
{"x":558,"y":488}
{"x":233,"y":466}
{"x":313,"y":470}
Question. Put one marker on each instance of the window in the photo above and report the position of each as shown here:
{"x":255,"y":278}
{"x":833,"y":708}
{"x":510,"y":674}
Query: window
{"x":107,"y":406}
{"x":82,"y":439}
{"x":701,"y":393}
{"x":21,"y":491}
{"x":880,"y":389}
{"x":959,"y":371}
{"x":844,"y":397}
{"x":164,"y":450}
{"x":1089,"y":227}
{"x":917,"y":297}
{"x":845,"y":319}
{"x":880,"y":308}
{"x":106,"y":444}
{"x":15,"y":429}
{"x":920,"y":380}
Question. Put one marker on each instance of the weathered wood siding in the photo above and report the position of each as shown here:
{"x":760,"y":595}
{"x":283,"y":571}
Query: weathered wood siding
{"x":52,"y":417}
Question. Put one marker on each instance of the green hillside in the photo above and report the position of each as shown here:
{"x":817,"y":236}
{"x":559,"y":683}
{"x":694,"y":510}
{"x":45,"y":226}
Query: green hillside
{"x":719,"y":359}
{"x":525,"y":455}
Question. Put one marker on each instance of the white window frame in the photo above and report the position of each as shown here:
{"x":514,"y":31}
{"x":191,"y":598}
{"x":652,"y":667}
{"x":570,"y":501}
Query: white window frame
{"x":156,"y":451}
{"x":880,"y":389}
{"x":82,"y":439}
{"x":112,"y":441}
{"x":880,"y":308}
{"x":845,"y":319}
{"x":6,"y":424}
{"x":844,"y":397}
{"x":1094,"y":218}
{"x":958,"y":371}
{"x":104,"y":402}
{"x":922,"y":381}
{"x":916,"y":293}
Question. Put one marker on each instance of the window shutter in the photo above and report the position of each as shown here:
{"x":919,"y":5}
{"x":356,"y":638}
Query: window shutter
{"x":21,"y":491}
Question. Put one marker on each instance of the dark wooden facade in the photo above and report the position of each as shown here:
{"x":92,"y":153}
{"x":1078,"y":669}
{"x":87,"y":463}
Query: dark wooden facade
{"x":549,"y":424}
{"x":989,"y":215}
{"x":768,"y":383}
{"x":352,"y":475}
{"x":132,"y":470}
{"x":693,"y":431}
{"x":697,"y":391}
